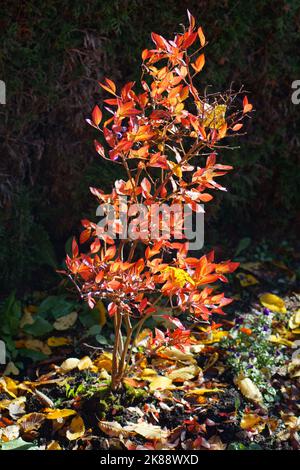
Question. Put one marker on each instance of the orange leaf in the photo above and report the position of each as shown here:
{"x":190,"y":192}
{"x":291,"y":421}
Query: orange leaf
{"x":110,"y":86}
{"x":222,"y":131}
{"x":199,"y":63}
{"x":237,"y":127}
{"x":201,"y":36}
{"x":247,"y":106}
{"x":96,"y":115}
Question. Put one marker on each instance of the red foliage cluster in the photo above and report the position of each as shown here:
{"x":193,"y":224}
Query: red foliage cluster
{"x":166,"y":136}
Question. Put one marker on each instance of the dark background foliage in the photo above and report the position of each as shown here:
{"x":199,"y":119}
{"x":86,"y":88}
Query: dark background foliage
{"x":51,"y":56}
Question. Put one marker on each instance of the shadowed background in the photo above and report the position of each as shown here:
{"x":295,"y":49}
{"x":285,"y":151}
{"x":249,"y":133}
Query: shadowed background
{"x":52,"y":55}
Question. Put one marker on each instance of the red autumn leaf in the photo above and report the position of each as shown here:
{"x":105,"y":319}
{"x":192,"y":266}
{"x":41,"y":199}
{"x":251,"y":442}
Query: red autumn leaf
{"x":99,"y":277}
{"x":75,"y":250}
{"x":84,"y":236}
{"x":95,"y":246}
{"x":159,"y":41}
{"x":99,"y":148}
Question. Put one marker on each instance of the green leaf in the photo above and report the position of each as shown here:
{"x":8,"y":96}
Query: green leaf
{"x":243,"y":244}
{"x":17,"y":444}
{"x":35,"y":356}
{"x":55,"y":307}
{"x":39,"y":328}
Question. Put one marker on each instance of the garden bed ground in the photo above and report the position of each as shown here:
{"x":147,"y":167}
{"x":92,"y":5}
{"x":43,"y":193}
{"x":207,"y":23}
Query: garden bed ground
{"x":235,"y":387}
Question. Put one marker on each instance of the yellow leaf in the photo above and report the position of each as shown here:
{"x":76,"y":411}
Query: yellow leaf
{"x":65,"y":322}
{"x":143,"y":337}
{"x":54,"y":445}
{"x":160,"y":382}
{"x":175,"y":354}
{"x":58,"y":414}
{"x":201,"y":36}
{"x":276,"y":339}
{"x":148,"y":374}
{"x":247,"y":280}
{"x":250,"y":420}
{"x":102,"y":312}
{"x":55,"y":341}
{"x":104,"y":361}
{"x":85,"y":363}
{"x":273,"y":303}
{"x":69,"y":364}
{"x":204,"y":391}
{"x":222,"y":131}
{"x":248,"y":389}
{"x":214,"y":117}
{"x":76,"y":429}
{"x":294,"y":321}
{"x":184,"y":373}
{"x":176,"y":169}
{"x":9,"y":386}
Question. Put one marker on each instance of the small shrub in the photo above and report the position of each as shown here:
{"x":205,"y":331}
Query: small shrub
{"x":166,"y":136}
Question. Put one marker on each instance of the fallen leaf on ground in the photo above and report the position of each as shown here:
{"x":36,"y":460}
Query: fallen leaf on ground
{"x":34,"y":344}
{"x":85,"y":363}
{"x":65,"y":322}
{"x":54,"y":445}
{"x":104,"y":361}
{"x":159,"y":382}
{"x":112,"y":428}
{"x":76,"y":429}
{"x":55,"y":341}
{"x":58,"y":414}
{"x":184,"y":373}
{"x":273,"y":303}
{"x":9,"y":386}
{"x":147,"y":430}
{"x":249,"y":389}
{"x":69,"y":364}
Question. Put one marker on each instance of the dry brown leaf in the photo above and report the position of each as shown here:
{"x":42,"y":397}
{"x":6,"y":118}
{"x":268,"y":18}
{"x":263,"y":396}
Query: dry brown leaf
{"x":176,"y":355}
{"x":10,"y":433}
{"x":112,"y":428}
{"x":34,"y":344}
{"x":31,"y":422}
{"x":65,"y":322}
{"x":147,"y":430}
